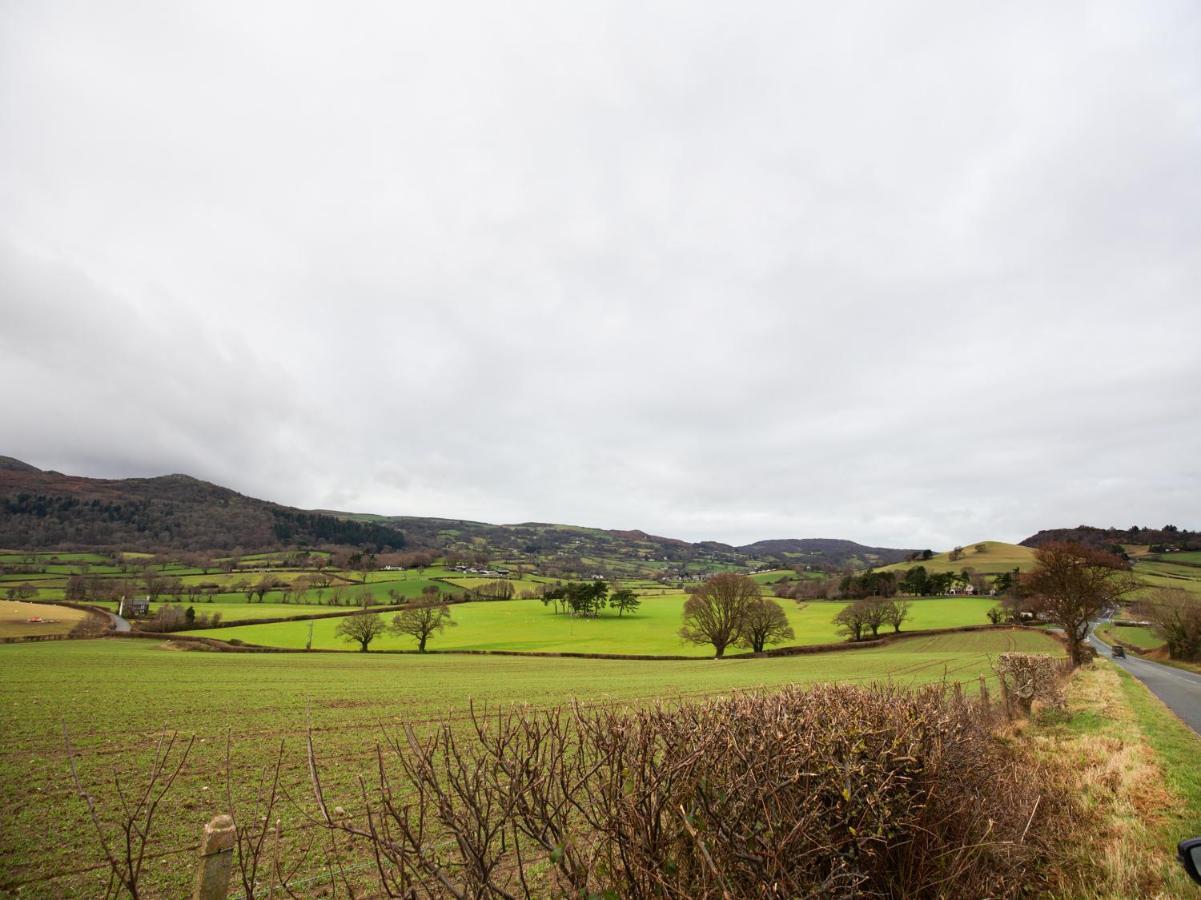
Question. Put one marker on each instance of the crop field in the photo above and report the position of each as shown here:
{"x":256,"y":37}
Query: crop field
{"x":116,"y":697}
{"x":529,"y":625}
{"x":14,"y":616}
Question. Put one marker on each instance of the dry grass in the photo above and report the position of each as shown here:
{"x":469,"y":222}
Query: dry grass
{"x":14,"y":616}
{"x":1120,"y":849}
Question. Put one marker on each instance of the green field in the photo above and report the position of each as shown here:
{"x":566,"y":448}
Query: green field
{"x":116,"y":697}
{"x":528,"y":625}
{"x":1135,"y":635}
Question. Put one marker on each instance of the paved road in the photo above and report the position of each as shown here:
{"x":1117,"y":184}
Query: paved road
{"x":1180,"y":690}
{"x":119,"y":625}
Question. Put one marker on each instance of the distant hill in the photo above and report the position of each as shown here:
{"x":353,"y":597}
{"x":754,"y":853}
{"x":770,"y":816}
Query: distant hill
{"x":177,"y":512}
{"x":1169,"y":537}
{"x":995,"y":558}
{"x":585,"y":550}
{"x":824,"y":551}
{"x":172,"y":512}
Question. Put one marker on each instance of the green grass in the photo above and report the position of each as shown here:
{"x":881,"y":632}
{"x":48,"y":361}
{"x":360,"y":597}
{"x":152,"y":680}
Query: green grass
{"x":116,"y":697}
{"x":1178,"y":748}
{"x":528,"y":625}
{"x":1152,"y":580}
{"x":1184,"y":556}
{"x":1135,"y":635}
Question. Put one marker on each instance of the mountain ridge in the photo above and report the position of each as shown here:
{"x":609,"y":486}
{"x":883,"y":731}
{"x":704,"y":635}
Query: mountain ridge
{"x":180,"y":512}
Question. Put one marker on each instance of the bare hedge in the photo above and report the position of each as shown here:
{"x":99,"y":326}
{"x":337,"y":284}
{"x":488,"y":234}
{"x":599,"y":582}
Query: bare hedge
{"x":837,"y":791}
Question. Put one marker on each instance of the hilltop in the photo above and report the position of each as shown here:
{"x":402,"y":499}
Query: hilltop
{"x":996,"y":557}
{"x":1169,"y":536}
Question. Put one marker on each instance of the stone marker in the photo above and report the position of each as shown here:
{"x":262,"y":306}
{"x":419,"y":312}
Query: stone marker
{"x":216,"y":860}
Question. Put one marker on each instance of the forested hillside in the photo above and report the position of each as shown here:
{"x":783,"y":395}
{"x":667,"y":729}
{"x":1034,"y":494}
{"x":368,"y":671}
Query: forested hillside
{"x":174,"y":512}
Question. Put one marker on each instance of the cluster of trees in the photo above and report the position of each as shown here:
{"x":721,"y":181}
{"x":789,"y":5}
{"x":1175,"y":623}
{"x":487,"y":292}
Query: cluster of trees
{"x":419,"y":622}
{"x":24,"y":591}
{"x":916,"y":581}
{"x":871,"y":614}
{"x":494,"y":590}
{"x":589,"y":599}
{"x":729,"y":610}
{"x":174,"y":618}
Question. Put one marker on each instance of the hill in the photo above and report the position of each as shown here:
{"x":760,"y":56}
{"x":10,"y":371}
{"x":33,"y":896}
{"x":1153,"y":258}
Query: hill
{"x":824,"y":551}
{"x":581,"y":550}
{"x":171,"y":512}
{"x":41,"y":509}
{"x":997,"y":557}
{"x":1168,"y":537}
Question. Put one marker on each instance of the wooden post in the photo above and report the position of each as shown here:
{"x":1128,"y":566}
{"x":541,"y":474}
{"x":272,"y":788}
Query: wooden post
{"x":216,"y":860}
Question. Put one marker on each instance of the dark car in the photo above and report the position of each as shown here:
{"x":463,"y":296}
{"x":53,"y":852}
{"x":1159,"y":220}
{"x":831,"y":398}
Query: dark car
{"x":1119,"y":652}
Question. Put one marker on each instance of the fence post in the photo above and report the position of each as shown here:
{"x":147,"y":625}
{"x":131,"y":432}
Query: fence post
{"x":216,"y":860}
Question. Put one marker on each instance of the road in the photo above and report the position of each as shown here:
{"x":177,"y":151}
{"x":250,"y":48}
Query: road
{"x":1179,"y":689}
{"x":120,"y":625}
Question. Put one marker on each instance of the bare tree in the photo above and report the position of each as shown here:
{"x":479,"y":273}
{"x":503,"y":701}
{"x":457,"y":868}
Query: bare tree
{"x":1176,"y":617}
{"x":875,"y":613}
{"x":716,"y":613}
{"x":363,"y":627}
{"x":1072,"y":585}
{"x":895,"y":613}
{"x":852,"y":620}
{"x":422,"y":623}
{"x":765,"y":623}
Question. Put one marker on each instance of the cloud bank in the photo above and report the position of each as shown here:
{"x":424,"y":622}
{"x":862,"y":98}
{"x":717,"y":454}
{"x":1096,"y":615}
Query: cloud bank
{"x":915,"y":276}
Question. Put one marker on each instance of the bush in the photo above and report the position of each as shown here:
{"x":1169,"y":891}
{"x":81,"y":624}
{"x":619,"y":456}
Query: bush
{"x":835,"y":792}
{"x":1026,"y":677}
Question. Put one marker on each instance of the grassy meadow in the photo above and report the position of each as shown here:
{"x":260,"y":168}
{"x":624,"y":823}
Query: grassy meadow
{"x":529,"y":625}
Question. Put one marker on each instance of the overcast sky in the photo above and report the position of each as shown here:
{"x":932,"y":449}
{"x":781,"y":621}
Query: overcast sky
{"x":912,"y":274}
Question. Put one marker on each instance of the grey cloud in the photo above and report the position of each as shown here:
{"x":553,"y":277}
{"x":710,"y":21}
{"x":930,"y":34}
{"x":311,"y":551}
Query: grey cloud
{"x":911,"y":276}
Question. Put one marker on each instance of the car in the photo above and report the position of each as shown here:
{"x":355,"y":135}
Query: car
{"x":1189,"y":854}
{"x":1119,"y":652}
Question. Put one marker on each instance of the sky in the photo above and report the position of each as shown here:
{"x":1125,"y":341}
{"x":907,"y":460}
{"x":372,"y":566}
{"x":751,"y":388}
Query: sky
{"x":910,"y":274}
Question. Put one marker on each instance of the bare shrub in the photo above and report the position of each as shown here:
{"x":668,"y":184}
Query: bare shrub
{"x":839,"y":791}
{"x":1027,"y":677}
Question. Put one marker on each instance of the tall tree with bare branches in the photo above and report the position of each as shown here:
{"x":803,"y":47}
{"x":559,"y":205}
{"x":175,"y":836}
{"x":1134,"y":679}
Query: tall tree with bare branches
{"x":421,"y":623}
{"x":1072,"y":584}
{"x":717,"y":612}
{"x":765,"y":623}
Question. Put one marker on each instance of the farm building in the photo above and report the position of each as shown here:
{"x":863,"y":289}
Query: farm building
{"x":131,"y":608}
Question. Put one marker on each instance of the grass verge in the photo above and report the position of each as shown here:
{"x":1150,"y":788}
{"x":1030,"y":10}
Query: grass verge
{"x":1135,"y":770}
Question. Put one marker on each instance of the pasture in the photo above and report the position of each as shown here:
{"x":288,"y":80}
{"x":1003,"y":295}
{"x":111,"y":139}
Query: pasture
{"x":116,"y":697}
{"x":530,"y":626}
